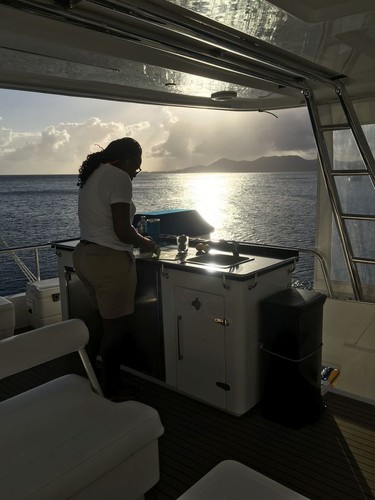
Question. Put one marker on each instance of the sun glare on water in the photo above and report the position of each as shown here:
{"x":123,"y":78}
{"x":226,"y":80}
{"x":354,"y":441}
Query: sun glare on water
{"x":209,"y":193}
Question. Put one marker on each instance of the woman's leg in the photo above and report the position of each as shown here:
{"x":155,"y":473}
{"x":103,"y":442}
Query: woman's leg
{"x":94,"y":324}
{"x":111,"y":275}
{"x":92,"y":319}
{"x":111,"y":350}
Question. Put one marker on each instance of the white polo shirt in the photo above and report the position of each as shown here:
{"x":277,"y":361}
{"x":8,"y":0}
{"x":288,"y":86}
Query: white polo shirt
{"x":106,"y":185}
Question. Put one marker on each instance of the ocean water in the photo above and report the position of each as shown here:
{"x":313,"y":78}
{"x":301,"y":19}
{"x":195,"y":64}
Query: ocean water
{"x":253,"y":207}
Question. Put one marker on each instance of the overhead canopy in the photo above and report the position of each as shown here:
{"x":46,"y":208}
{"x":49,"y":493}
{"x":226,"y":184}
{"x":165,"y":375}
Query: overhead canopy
{"x":237,"y":54}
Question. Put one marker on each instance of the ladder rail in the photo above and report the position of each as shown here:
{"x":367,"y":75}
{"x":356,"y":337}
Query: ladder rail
{"x":349,"y":173}
{"x":361,"y":260}
{"x":357,"y":130}
{"x":326,"y":166}
{"x":366,"y":217}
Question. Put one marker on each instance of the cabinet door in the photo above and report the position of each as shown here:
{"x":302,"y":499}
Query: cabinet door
{"x":200,"y":344}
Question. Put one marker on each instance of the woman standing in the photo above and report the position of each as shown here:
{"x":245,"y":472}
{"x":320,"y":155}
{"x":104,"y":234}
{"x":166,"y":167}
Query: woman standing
{"x":104,"y":259}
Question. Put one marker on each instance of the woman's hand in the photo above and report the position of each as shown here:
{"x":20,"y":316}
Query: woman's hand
{"x":148,"y":244}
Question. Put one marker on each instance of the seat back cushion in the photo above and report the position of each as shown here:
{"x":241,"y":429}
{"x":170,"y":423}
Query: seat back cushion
{"x":38,"y":346}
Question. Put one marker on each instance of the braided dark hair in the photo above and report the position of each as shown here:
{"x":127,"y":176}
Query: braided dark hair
{"x":121,"y":149}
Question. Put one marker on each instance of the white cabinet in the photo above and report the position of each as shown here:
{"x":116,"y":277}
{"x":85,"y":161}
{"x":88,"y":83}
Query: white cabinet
{"x":211,"y":325}
{"x":212,"y":334}
{"x":200,"y":344}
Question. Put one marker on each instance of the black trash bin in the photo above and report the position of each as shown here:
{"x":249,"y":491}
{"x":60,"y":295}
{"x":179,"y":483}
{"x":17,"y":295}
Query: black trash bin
{"x":291,"y":342}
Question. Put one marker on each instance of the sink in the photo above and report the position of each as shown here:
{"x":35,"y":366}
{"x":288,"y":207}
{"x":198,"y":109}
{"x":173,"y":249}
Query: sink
{"x":218,"y":260}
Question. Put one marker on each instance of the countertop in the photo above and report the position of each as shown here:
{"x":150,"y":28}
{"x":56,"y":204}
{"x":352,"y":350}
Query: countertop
{"x":263,"y":259}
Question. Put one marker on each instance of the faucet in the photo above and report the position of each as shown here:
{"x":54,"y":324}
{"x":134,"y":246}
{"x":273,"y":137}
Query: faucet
{"x":235,"y":247}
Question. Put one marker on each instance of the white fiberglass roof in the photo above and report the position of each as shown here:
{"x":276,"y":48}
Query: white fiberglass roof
{"x":181,"y":52}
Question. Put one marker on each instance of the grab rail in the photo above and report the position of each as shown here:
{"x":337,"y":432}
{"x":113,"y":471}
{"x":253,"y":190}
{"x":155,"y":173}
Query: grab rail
{"x":35,"y":248}
{"x":41,"y":246}
{"x":314,"y":253}
{"x":323,"y":266}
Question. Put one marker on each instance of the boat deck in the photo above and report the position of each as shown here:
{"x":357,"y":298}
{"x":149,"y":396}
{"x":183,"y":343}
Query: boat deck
{"x":331,"y":459}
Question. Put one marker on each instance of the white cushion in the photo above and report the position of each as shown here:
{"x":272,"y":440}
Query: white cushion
{"x":60,"y":437}
{"x":233,"y":480}
{"x":38,"y":346}
{"x":7,"y":318}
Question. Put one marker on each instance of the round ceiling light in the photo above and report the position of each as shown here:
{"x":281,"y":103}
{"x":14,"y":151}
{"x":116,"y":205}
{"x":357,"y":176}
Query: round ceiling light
{"x":224,"y":95}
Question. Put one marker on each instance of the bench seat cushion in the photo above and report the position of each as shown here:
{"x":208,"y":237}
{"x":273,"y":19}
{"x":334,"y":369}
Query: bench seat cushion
{"x":61,"y":437}
{"x":231,"y":479}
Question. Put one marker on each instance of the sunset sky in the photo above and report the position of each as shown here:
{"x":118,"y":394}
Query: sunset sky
{"x":48,"y":134}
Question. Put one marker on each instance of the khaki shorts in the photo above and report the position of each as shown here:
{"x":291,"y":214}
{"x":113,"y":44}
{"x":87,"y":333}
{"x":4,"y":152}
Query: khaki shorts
{"x":109,"y":276}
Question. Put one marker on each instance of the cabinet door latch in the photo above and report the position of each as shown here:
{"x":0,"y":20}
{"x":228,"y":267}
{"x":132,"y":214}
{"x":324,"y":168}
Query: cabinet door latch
{"x":221,"y":321}
{"x":223,"y":385}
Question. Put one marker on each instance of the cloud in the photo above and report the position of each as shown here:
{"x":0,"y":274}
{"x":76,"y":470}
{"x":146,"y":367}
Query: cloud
{"x":5,"y":137}
{"x":193,"y":137}
{"x":171,"y":138}
{"x":196,"y":136}
{"x":59,"y":148}
{"x":295,"y":135}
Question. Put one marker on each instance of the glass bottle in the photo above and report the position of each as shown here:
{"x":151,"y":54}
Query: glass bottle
{"x":142,"y":225}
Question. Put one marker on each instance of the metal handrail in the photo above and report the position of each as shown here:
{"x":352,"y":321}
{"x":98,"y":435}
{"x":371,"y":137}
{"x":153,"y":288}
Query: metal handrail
{"x":323,"y":266}
{"x":42,"y":246}
{"x":26,"y":247}
{"x":321,"y":260}
{"x":12,"y":251}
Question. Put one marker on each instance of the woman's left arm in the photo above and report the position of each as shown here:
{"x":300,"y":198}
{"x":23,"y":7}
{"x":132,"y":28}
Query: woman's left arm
{"x":125,"y":231}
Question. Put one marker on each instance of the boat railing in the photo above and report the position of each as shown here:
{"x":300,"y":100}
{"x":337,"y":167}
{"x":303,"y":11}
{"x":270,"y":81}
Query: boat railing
{"x":319,"y":257}
{"x":12,"y":251}
{"x":322,"y":262}
{"x":42,"y":246}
